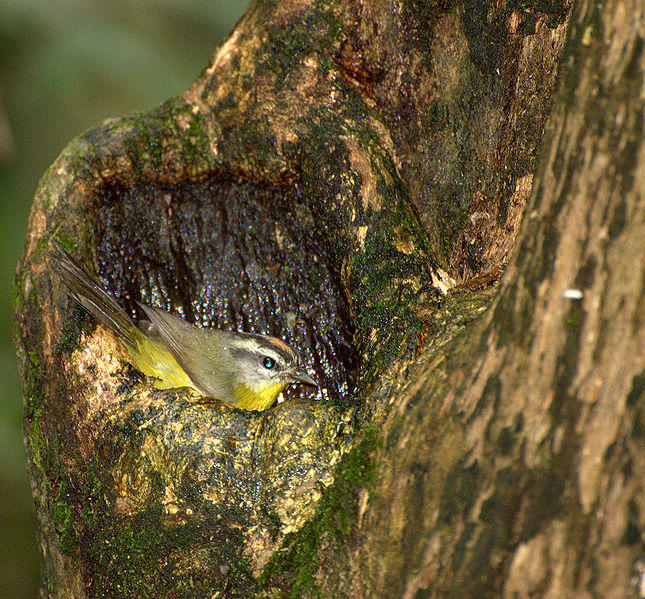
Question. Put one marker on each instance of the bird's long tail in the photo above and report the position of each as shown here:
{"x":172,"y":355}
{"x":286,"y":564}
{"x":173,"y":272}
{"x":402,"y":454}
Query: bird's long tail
{"x":87,"y":291}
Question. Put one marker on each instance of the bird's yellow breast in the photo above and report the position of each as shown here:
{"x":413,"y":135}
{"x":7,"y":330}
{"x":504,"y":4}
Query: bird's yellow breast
{"x":248,"y":398}
{"x":153,"y":359}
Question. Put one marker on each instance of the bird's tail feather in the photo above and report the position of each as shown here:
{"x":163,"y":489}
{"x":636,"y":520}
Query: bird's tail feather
{"x":87,"y":292}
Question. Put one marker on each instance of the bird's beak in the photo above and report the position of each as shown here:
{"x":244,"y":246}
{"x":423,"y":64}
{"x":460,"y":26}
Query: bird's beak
{"x":300,"y":376}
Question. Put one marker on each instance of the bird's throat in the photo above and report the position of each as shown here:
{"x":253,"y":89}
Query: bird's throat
{"x":248,"y":398}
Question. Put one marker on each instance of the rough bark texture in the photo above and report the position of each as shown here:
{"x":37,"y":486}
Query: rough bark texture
{"x":519,"y":453}
{"x":334,"y":172}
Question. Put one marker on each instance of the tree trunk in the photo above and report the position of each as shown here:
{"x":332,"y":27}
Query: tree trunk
{"x":352,"y":177}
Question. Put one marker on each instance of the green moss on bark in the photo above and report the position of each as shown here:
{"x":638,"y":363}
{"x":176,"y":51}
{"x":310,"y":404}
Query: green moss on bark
{"x":295,"y":568}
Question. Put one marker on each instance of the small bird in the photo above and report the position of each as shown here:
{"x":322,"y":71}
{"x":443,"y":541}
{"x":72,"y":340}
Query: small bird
{"x":243,"y":370}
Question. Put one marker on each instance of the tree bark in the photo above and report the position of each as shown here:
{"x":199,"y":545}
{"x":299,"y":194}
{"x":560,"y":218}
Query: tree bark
{"x":519,"y":455}
{"x":352,"y":177}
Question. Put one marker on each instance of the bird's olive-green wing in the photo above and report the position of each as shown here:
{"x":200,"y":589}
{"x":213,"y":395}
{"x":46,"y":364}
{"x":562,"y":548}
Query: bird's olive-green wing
{"x":200,"y":352}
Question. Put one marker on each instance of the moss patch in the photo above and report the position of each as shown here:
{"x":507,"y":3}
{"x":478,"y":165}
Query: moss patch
{"x":294,"y":568}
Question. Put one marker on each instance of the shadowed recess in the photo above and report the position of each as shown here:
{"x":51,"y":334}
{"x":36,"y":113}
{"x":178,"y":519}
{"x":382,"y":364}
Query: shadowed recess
{"x":237,"y":256}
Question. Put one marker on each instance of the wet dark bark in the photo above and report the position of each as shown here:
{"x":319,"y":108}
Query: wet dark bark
{"x":352,"y":177}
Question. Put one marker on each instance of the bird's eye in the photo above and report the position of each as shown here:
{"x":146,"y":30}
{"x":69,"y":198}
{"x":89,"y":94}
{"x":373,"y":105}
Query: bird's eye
{"x":268,"y":362}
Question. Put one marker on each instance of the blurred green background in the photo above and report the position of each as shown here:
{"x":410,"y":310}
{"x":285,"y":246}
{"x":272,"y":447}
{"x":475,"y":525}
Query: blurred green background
{"x":65,"y":65}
